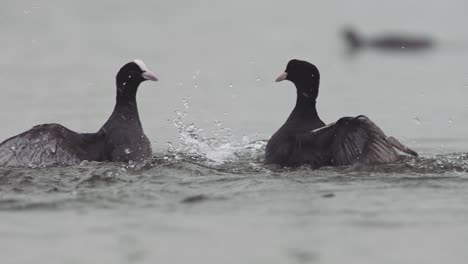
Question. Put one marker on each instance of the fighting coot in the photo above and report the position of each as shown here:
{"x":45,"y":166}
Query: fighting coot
{"x":120,"y":139}
{"x":304,"y":138}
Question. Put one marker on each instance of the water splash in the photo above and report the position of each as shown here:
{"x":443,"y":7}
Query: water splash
{"x":220,"y":149}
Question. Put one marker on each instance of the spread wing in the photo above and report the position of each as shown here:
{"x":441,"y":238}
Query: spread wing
{"x":359,"y":140}
{"x":43,"y":145}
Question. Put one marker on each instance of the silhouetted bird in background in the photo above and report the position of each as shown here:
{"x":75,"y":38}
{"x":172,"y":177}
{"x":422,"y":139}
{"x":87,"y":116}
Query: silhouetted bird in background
{"x":389,"y":42}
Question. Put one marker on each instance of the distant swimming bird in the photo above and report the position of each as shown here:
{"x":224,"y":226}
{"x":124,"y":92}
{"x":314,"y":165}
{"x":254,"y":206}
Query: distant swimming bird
{"x":121,"y":139}
{"x":304,"y":138}
{"x":389,"y":42}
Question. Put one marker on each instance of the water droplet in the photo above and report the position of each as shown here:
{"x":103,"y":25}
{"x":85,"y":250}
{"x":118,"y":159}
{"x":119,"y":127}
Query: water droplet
{"x":185,"y":103}
{"x":231,"y":85}
{"x":127,"y":151}
{"x":195,"y":74}
{"x":451,"y":120}
{"x":196,"y":85}
{"x":258,"y":79}
{"x":417,"y":121}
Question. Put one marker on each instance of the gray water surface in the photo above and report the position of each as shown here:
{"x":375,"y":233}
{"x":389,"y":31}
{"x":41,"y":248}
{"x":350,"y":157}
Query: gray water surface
{"x":179,"y":212}
{"x":206,"y":197}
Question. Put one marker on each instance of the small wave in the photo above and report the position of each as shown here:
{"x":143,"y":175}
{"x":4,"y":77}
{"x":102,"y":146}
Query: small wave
{"x":200,"y":198}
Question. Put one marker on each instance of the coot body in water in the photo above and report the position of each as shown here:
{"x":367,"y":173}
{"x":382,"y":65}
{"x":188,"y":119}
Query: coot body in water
{"x":304,"y":138}
{"x":120,"y":139}
{"x":389,"y":42}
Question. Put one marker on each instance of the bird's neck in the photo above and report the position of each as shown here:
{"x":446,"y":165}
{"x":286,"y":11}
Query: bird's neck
{"x":126,"y":107}
{"x":305,"y":108}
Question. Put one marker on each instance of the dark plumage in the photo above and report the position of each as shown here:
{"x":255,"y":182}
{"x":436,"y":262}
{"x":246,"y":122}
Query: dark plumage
{"x":391,"y":42}
{"x":120,"y":139}
{"x":304,"y":138}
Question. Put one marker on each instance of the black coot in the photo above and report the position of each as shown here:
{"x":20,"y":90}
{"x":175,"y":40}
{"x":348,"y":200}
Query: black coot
{"x":304,"y":138}
{"x":120,"y":139}
{"x":390,"y":42}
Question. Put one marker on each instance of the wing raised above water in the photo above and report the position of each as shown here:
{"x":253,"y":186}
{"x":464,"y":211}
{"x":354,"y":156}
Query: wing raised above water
{"x":44,"y":145}
{"x":359,"y":140}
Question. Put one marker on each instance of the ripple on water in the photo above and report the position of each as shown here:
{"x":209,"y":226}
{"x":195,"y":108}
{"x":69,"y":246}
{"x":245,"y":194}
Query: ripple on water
{"x":176,"y":177}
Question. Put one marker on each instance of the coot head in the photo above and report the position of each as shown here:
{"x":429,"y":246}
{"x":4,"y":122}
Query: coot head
{"x":133,"y":73}
{"x":298,"y":71}
{"x":352,"y":38}
{"x":305,"y":77}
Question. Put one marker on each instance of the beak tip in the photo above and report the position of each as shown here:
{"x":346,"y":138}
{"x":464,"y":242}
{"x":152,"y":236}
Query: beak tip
{"x":282,"y":77}
{"x":147,"y":75}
